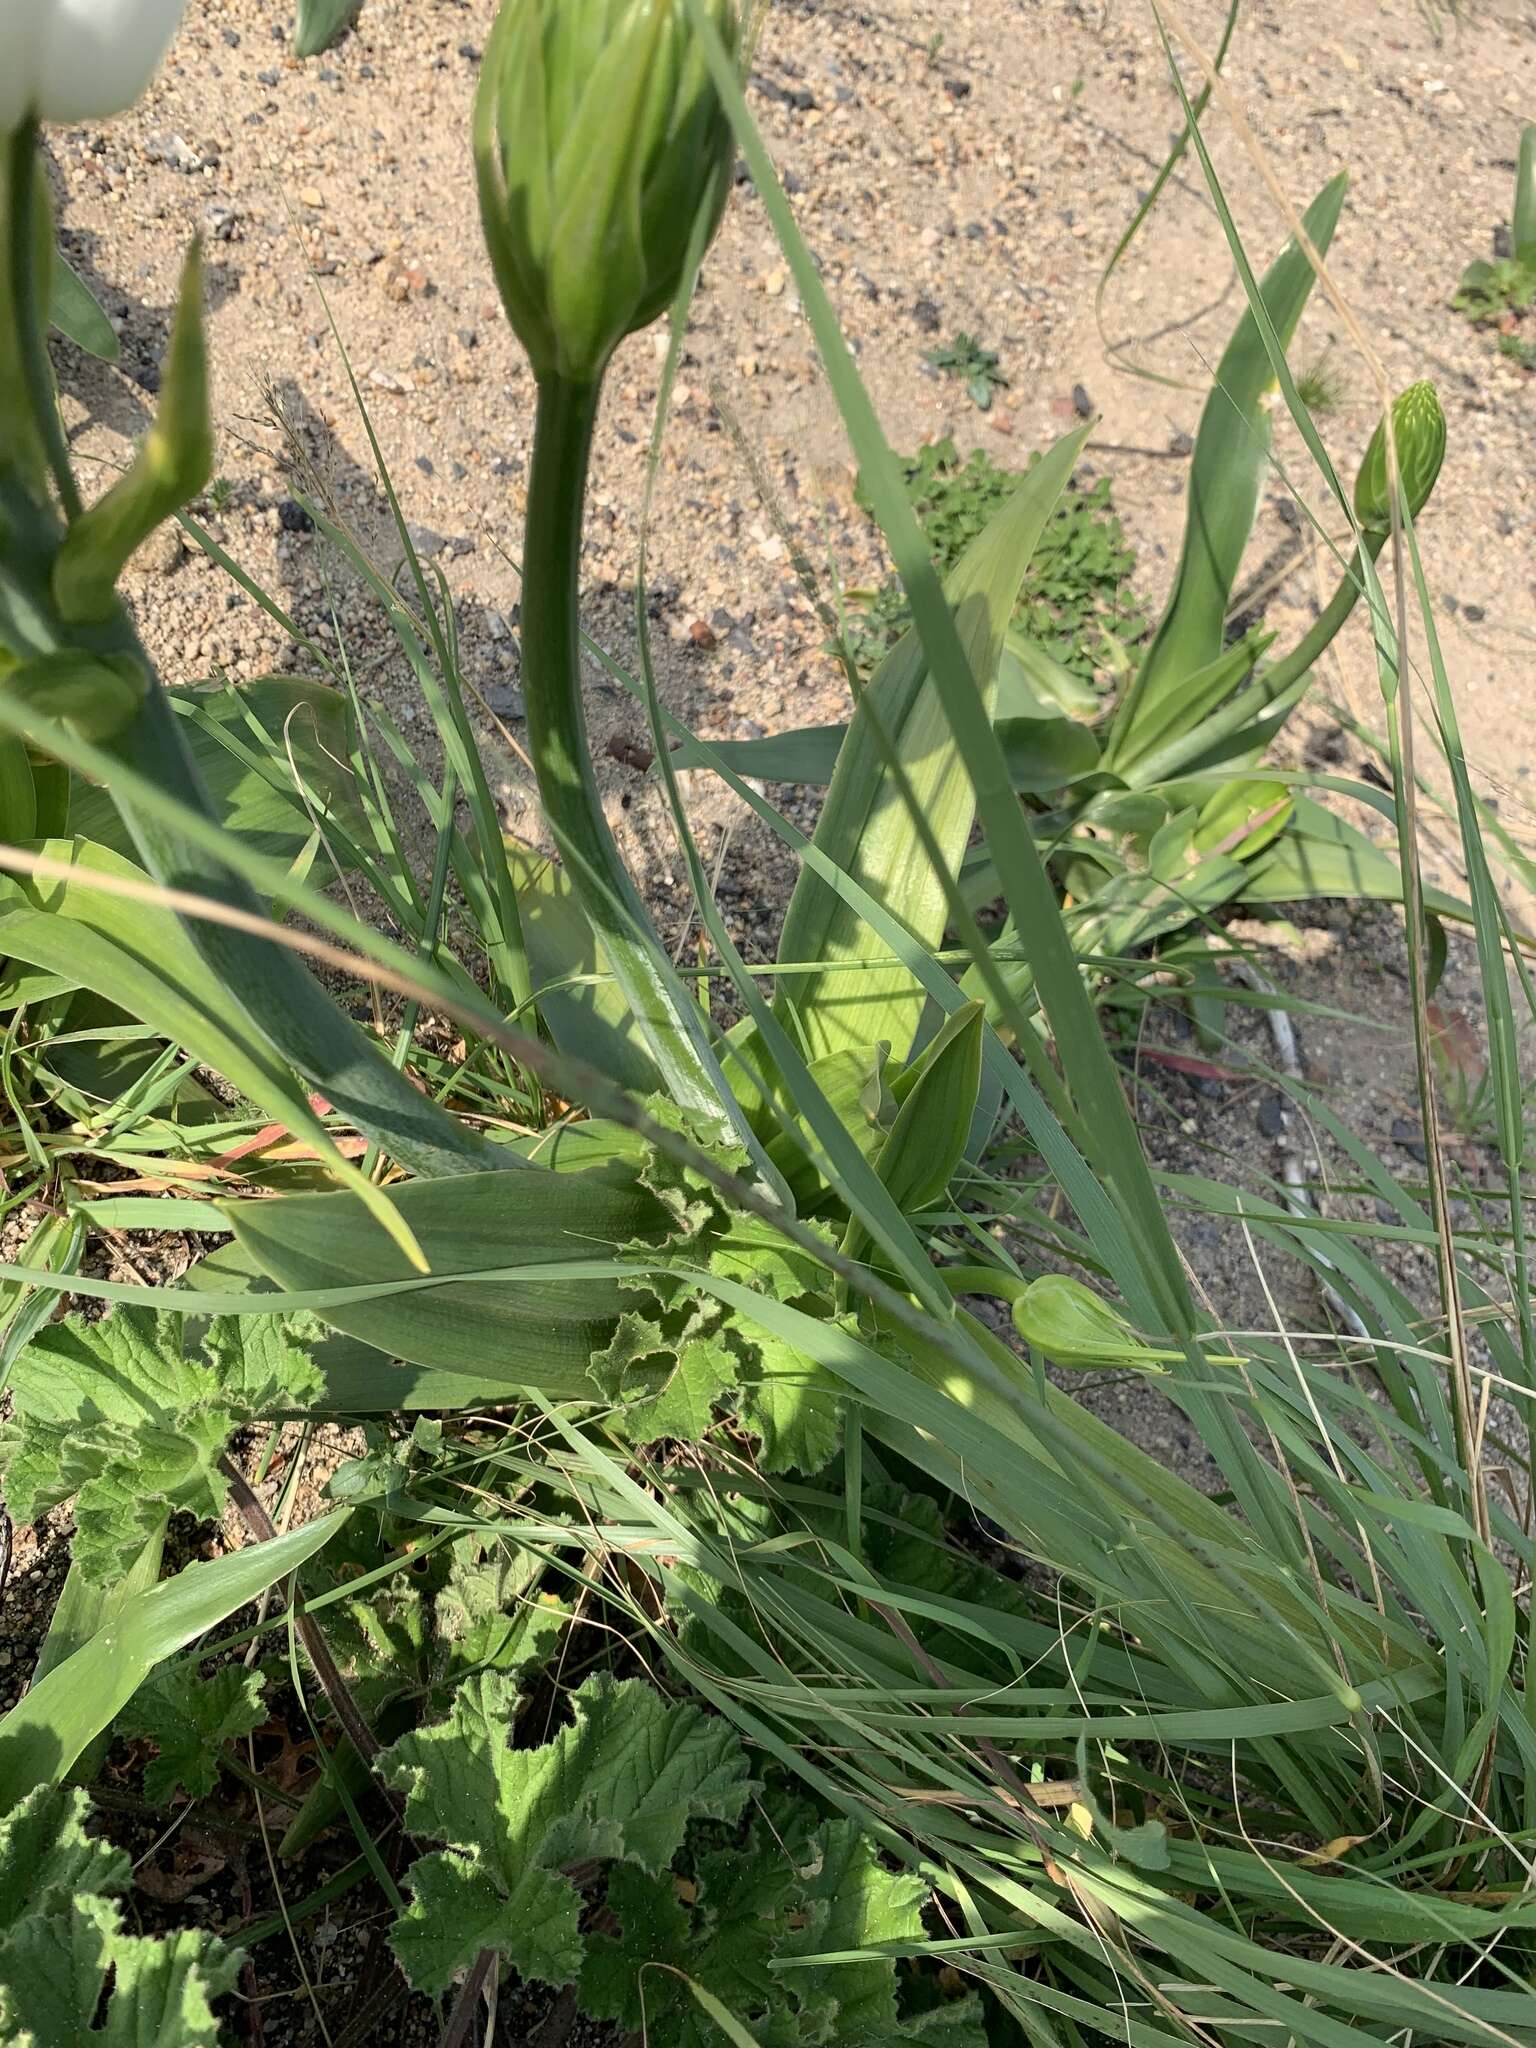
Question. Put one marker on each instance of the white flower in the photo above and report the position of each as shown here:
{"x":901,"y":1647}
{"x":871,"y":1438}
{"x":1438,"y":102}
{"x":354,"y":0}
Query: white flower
{"x":79,"y":60}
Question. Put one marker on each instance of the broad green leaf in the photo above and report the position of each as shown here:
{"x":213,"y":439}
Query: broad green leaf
{"x":113,"y":1414}
{"x":791,"y":1404}
{"x":189,"y":1718}
{"x":1230,"y":460}
{"x":1045,"y":754}
{"x":1179,"y":712}
{"x":76,"y":312}
{"x":865,"y":825}
{"x":938,"y":1100}
{"x":62,"y":1943}
{"x":474,"y":1316}
{"x":591,"y":1020}
{"x":321,"y":23}
{"x":1522,"y":232}
{"x":852,"y":1902}
{"x":855,"y":1086}
{"x":619,"y":1784}
{"x":1044,"y":751}
{"x":684,"y":1407}
{"x":49,"y":1727}
{"x":83,"y":1607}
{"x":805,"y":753}
{"x":725,"y":1941}
{"x":1242,"y":818}
{"x":251,"y":780}
{"x":1323,"y":855}
{"x":1032,"y":684}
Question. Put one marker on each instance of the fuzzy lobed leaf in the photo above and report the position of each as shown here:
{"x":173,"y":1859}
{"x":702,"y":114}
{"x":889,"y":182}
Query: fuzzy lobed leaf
{"x":62,"y":1935}
{"x":115,"y":1415}
{"x":620,"y":1783}
{"x":189,"y":1719}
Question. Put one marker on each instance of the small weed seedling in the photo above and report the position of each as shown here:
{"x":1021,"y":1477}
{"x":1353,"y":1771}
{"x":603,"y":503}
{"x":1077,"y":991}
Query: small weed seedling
{"x":965,"y":357}
{"x":1506,"y":288}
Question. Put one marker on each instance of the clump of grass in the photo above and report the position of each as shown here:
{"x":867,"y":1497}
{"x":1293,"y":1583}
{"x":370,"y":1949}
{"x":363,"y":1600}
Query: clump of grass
{"x":1322,"y":386}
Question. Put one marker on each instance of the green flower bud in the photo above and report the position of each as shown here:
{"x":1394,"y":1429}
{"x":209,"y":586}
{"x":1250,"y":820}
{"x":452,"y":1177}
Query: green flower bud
{"x":599,"y":140}
{"x":1418,"y":429}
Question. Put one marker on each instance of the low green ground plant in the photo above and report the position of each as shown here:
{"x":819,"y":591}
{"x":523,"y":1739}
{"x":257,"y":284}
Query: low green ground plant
{"x":1504,"y":288}
{"x":978,"y":368}
{"x":1076,"y":604}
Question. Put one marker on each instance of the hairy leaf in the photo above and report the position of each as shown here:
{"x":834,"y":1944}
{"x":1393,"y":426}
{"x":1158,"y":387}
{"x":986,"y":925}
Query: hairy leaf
{"x":189,"y":1718}
{"x":621,"y":1783}
{"x":115,"y":1415}
{"x":62,"y":1936}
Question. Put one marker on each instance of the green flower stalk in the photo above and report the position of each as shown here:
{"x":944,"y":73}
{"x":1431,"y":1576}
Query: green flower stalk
{"x":603,"y":156}
{"x":1418,"y":432}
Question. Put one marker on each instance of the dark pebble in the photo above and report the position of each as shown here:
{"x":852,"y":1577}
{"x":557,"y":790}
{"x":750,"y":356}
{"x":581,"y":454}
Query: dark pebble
{"x":1409,"y":1135}
{"x":1082,"y":404}
{"x":1271,"y":1117}
{"x":292,"y":517}
{"x":1181,"y":443}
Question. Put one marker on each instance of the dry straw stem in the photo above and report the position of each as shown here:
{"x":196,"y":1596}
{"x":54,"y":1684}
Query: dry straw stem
{"x":1400,"y":707}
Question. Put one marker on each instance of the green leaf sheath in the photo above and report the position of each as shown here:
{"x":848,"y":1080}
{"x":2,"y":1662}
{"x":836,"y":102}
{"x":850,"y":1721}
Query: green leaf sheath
{"x":669,"y":1019}
{"x":272,"y":985}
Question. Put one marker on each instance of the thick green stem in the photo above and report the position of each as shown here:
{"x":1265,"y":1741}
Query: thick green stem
{"x":31,"y":314}
{"x":669,"y":1019}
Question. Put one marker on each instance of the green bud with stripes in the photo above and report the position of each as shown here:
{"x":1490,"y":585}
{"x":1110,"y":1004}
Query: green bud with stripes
{"x":1418,"y":431}
{"x":600,"y":142}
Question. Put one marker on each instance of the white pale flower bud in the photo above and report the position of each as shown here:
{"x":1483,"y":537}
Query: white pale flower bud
{"x":79,"y":60}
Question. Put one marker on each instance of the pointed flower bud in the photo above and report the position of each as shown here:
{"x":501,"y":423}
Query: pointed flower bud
{"x":599,"y":140}
{"x":1418,"y":429}
{"x":79,"y":60}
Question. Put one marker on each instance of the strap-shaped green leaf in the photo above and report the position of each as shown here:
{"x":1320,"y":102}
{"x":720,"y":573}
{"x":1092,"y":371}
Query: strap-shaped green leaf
{"x":142,"y":957}
{"x":321,"y":23}
{"x":171,"y":467}
{"x":1523,"y":220}
{"x":75,"y":311}
{"x":44,"y":1732}
{"x":477,"y":1316}
{"x":927,"y":1139}
{"x":1231,"y":456}
{"x":865,"y":826}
